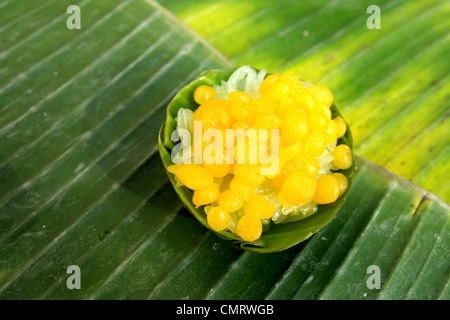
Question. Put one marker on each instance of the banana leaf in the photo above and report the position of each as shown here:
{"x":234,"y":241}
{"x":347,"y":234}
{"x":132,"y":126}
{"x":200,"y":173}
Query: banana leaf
{"x":81,"y":182}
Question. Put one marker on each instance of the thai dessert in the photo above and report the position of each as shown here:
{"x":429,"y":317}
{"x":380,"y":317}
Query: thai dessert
{"x":257,"y":150}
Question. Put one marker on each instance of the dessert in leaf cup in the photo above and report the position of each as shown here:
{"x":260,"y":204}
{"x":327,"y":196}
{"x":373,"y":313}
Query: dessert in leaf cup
{"x":262,"y":159}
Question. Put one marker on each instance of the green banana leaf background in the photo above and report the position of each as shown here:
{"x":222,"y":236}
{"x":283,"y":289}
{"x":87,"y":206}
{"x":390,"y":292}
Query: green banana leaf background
{"x":81,"y":181}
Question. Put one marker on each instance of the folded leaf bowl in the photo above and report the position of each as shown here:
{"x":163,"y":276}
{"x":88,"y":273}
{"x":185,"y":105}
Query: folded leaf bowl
{"x":276,"y":236}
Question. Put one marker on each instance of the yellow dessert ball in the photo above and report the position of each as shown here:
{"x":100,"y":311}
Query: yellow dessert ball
{"x":229,"y":201}
{"x":249,"y":228}
{"x":249,"y":174}
{"x":193,"y":176}
{"x":260,"y":207}
{"x":204,"y":93}
{"x":321,"y":94}
{"x":343,"y":181}
{"x":297,"y":190}
{"x":206,"y":195}
{"x":328,"y":189}
{"x":315,"y":144}
{"x":294,"y":128}
{"x":240,"y":189}
{"x":341,"y":126}
{"x":342,"y":157}
{"x":218,"y":219}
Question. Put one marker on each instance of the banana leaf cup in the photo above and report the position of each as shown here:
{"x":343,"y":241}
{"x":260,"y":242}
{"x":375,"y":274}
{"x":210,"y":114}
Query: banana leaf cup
{"x":275,"y":237}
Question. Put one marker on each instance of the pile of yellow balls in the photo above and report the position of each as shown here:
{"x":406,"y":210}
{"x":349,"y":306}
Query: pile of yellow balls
{"x":304,"y":120}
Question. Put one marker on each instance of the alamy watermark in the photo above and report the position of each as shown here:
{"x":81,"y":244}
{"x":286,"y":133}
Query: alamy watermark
{"x":74,"y":20}
{"x":374,"y":20}
{"x":241,"y":146}
{"x":374,"y":280}
{"x":74,"y":280}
